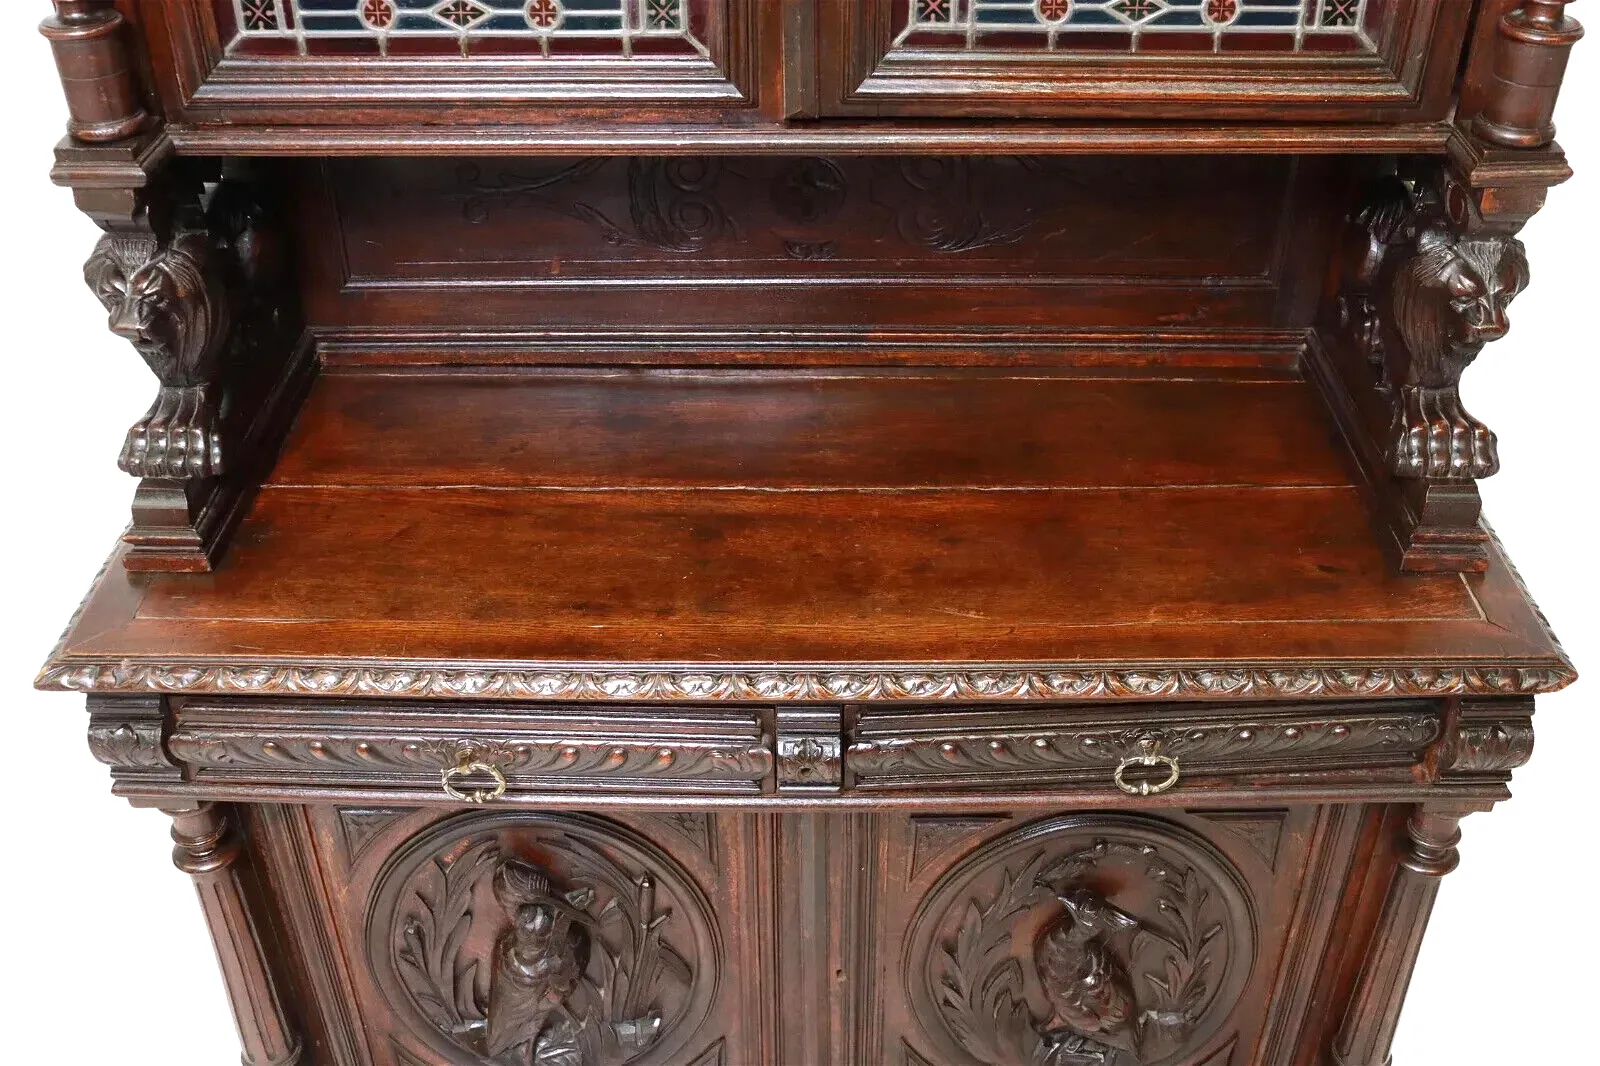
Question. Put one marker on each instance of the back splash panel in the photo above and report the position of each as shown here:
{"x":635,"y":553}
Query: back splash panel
{"x":829,"y":243}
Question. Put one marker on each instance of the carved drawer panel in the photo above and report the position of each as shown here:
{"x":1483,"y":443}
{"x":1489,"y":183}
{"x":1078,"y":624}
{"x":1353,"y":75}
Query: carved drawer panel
{"x":557,"y":939}
{"x":1360,"y":60}
{"x":1103,"y":937}
{"x":305,"y":62}
{"x":1140,"y":750}
{"x":478,"y":752}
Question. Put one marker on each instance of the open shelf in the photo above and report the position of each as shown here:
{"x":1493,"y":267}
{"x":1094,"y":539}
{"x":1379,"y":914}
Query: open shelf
{"x":827,"y":535}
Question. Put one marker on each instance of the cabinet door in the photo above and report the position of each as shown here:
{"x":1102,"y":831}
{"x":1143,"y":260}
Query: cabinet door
{"x":1297,"y":60}
{"x":375,"y":62}
{"x":562,"y":939}
{"x":1120,"y":939}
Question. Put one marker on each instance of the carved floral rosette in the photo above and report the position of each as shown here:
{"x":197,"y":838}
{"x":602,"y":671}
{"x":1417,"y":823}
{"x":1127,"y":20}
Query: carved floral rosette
{"x":636,"y":935}
{"x":1181,"y":950}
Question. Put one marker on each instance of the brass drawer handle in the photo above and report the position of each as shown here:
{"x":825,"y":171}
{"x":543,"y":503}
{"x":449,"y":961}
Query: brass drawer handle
{"x":465,"y":766}
{"x":1150,"y":757}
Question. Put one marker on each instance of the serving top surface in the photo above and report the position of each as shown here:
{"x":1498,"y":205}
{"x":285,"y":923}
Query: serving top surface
{"x":919,"y":536}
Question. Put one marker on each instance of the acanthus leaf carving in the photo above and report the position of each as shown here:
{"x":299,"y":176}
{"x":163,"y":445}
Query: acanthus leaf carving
{"x":128,"y":744}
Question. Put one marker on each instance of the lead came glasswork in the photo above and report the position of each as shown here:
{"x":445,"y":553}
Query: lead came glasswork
{"x":623,"y":24}
{"x":1075,"y":25}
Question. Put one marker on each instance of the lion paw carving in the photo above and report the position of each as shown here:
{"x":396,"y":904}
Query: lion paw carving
{"x":1435,"y":437}
{"x":179,"y":437}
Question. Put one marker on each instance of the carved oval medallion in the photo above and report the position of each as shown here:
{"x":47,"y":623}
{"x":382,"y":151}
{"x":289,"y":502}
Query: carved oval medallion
{"x":564,"y":940}
{"x":1105,"y":939}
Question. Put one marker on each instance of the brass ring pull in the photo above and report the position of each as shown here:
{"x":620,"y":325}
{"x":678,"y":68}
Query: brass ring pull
{"x":1146,"y":788}
{"x":468,"y":765}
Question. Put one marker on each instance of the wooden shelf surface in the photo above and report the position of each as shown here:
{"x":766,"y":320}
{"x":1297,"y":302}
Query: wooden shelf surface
{"x":916,"y":535}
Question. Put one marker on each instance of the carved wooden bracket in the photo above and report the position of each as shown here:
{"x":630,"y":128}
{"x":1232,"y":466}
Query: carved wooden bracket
{"x":1430,"y":266}
{"x":192,"y":272}
{"x":166,"y":296}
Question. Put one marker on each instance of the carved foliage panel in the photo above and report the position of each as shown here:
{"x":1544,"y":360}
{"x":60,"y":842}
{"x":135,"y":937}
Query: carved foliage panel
{"x":555,"y":939}
{"x":699,"y":214}
{"x":1111,"y":939}
{"x":982,"y":235}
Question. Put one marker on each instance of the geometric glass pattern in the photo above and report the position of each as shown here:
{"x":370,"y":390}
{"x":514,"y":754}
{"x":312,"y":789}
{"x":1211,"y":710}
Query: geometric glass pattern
{"x":1141,"y":25}
{"x":624,"y":27}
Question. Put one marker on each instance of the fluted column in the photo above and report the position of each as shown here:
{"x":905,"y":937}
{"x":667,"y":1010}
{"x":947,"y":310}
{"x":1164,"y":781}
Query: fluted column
{"x":208,"y":850}
{"x":1373,"y":1013}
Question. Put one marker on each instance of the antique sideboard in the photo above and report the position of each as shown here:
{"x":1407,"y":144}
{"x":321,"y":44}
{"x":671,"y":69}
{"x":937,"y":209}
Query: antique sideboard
{"x":811,"y":532}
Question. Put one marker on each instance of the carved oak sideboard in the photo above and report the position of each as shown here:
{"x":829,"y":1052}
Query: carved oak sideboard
{"x":811,"y":532}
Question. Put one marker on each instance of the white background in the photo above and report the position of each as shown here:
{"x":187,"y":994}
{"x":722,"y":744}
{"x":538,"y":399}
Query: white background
{"x":103,"y":957}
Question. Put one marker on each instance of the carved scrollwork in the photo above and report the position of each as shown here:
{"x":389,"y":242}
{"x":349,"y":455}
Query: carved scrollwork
{"x":127,"y":745}
{"x":556,"y":941}
{"x":1140,"y":936}
{"x":1243,"y":740}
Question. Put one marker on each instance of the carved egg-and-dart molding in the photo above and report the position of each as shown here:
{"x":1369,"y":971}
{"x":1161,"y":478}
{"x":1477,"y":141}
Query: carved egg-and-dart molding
{"x":564,"y":940}
{"x":1083,"y":940}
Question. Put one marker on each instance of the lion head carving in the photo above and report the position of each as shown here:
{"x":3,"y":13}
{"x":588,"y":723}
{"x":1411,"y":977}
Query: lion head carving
{"x":1450,"y":300}
{"x":164,"y":300}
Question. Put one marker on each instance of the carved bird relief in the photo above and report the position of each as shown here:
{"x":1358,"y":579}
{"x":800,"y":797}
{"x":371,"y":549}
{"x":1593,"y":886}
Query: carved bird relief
{"x":1087,"y":985}
{"x":536,"y":963}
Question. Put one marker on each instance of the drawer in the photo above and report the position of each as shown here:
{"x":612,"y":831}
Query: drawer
{"x":465,"y":62}
{"x":470,"y":752}
{"x":1135,"y":60}
{"x":1144,"y":749}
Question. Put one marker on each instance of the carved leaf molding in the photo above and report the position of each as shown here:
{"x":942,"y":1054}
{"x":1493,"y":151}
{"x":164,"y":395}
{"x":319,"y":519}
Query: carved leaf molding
{"x":128,"y":744}
{"x":1489,"y":747}
{"x":669,"y":760}
{"x":1092,"y":748}
{"x":873,"y":685}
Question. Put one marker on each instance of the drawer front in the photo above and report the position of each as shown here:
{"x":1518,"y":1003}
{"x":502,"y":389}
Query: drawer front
{"x":418,"y":752}
{"x":306,"y":62}
{"x":1145,"y":750}
{"x":518,"y":936}
{"x":1187,"y":60}
{"x":472,"y":753}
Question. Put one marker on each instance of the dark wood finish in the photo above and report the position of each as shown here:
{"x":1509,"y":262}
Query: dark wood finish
{"x":870,"y":66}
{"x":1078,"y":516}
{"x":774,"y":541}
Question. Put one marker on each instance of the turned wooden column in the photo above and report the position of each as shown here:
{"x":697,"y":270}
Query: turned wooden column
{"x":87,"y":37}
{"x":1530,"y":57}
{"x":1374,"y":1011}
{"x":207,"y":850}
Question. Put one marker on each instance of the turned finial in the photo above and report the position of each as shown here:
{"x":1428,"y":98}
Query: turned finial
{"x":1530,"y":58}
{"x":87,"y":37}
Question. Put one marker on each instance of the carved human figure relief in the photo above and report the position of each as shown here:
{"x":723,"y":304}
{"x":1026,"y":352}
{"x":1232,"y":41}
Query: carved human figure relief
{"x":1449,"y":300}
{"x":167,"y":299}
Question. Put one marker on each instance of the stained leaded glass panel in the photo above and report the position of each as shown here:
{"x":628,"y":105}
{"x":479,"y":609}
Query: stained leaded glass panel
{"x":475,"y":27}
{"x":1140,"y":25}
